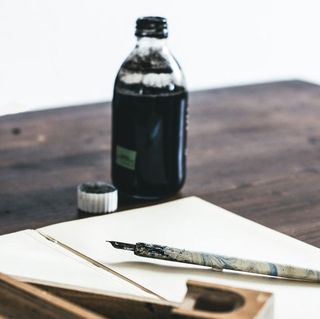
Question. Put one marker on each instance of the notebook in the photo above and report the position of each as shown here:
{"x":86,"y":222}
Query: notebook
{"x":189,"y":223}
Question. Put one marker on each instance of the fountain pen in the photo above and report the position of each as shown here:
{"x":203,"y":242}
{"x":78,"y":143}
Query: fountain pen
{"x":219,"y":262}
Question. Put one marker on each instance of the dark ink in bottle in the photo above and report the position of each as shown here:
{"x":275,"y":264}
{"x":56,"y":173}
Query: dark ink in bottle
{"x":149,"y":114}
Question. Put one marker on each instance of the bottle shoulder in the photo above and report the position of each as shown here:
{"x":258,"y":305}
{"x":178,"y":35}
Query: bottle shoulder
{"x":148,"y":69}
{"x":146,"y":60}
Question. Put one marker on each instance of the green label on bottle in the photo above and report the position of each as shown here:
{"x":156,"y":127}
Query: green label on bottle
{"x":125,"y":157}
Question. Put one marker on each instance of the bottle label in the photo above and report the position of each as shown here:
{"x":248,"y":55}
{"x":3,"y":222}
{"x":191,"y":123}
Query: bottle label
{"x":125,"y":157}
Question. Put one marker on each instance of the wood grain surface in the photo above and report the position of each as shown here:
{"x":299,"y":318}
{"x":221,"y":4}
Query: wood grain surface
{"x":24,"y":301}
{"x":254,"y":150}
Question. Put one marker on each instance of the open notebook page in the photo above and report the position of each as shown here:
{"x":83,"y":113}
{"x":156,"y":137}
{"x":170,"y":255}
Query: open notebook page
{"x":195,"y":224}
{"x":29,"y":256}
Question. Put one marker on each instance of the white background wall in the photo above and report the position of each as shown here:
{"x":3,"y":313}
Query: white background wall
{"x":61,"y":52}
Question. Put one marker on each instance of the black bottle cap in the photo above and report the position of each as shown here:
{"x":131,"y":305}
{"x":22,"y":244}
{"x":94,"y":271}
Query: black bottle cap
{"x":152,"y":27}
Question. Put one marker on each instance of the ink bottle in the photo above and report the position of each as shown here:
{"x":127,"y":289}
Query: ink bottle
{"x":149,"y":115}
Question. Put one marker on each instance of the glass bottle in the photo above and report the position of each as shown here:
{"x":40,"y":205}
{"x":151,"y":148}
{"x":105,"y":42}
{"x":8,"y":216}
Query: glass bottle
{"x":149,"y":114}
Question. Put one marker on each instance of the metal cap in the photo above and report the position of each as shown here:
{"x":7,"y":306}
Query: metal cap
{"x":97,"y":197}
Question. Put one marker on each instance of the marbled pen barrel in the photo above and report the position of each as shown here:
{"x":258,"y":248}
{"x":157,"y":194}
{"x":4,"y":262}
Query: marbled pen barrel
{"x":224,"y":262}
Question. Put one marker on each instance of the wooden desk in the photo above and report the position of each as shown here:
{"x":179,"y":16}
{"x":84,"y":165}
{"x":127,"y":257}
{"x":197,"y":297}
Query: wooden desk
{"x":254,"y":150}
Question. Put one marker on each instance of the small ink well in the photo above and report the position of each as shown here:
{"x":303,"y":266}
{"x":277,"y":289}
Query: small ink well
{"x":97,"y":198}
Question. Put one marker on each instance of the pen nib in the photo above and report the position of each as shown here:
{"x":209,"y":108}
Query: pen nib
{"x":120,"y":245}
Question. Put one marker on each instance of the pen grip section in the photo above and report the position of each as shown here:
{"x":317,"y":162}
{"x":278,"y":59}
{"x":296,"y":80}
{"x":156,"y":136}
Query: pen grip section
{"x":175,"y":254}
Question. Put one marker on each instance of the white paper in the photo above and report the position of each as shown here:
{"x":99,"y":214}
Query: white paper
{"x":29,"y":256}
{"x":192,"y":223}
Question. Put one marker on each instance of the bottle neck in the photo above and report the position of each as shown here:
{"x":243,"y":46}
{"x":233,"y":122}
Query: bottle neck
{"x":151,"y":43}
